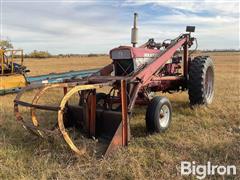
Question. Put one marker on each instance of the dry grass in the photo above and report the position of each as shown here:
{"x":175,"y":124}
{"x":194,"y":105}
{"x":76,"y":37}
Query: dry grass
{"x":45,"y":66}
{"x":201,"y":134}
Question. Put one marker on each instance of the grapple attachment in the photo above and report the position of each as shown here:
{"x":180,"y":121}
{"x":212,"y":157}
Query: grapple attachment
{"x":107,"y":126}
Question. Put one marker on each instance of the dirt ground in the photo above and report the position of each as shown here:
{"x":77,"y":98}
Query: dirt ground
{"x":201,"y":134}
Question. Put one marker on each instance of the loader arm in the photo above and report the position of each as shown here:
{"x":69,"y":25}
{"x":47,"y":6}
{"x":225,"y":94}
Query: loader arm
{"x":143,"y":77}
{"x":145,"y":74}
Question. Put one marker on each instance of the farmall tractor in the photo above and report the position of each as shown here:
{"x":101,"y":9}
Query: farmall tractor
{"x":134,"y":76}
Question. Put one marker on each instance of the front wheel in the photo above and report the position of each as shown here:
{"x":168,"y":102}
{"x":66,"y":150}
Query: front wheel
{"x":158,"y":115}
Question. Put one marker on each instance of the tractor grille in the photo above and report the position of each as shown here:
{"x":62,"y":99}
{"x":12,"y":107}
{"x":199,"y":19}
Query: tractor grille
{"x":123,"y":67}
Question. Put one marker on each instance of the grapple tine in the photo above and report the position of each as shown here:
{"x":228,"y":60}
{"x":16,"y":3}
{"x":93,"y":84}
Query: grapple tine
{"x":34,"y":127}
{"x":61,"y":114}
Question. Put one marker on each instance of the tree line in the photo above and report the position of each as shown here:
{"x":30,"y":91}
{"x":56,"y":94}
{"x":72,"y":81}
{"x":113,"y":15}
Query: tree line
{"x":6,"y":44}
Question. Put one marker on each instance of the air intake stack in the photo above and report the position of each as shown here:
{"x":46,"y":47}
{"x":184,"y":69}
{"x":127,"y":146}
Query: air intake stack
{"x":134,"y":31}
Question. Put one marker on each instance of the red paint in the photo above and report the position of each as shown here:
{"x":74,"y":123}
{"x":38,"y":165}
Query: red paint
{"x":136,"y":52}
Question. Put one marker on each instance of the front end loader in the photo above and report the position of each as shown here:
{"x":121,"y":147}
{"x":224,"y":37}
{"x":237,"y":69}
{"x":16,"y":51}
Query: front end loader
{"x":133,"y":77}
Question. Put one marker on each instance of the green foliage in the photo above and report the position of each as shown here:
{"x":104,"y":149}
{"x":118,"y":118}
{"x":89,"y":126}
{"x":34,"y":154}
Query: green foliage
{"x":39,"y":54}
{"x":6,"y":44}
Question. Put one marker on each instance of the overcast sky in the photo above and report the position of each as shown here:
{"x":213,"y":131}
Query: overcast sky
{"x":97,"y":26}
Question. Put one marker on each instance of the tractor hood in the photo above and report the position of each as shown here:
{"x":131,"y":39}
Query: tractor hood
{"x":128,"y":52}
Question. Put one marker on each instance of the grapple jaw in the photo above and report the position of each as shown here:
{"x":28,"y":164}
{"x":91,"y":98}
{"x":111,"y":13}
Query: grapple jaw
{"x":108,"y":127}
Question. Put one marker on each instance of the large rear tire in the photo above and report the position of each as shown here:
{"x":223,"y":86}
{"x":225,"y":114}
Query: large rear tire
{"x":158,"y":115}
{"x":201,"y":81}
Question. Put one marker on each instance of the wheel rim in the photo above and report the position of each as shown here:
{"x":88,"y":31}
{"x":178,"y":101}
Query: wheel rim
{"x":209,"y":84}
{"x":164,"y":116}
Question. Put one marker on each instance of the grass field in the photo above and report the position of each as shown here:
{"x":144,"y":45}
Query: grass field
{"x":201,"y":134}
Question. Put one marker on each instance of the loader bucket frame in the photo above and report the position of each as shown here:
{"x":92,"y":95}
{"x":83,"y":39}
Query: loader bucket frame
{"x":119,"y":135}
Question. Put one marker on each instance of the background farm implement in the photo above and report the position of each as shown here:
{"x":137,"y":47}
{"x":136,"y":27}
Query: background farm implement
{"x":13,"y":73}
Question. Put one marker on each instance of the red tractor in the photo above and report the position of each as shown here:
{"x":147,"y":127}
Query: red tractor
{"x":134,"y":76}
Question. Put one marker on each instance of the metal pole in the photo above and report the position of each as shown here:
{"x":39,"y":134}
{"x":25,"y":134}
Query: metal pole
{"x":124,"y":113}
{"x":92,"y":115}
{"x":12,"y":62}
{"x":21,"y":57}
{"x":185,"y":59}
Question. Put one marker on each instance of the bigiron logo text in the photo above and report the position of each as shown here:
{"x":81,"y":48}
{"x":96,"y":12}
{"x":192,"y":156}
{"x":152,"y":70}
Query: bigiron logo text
{"x":202,"y":171}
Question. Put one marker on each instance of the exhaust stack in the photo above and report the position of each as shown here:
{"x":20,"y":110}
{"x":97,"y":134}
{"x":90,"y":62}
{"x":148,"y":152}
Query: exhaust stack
{"x":134,"y":31}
